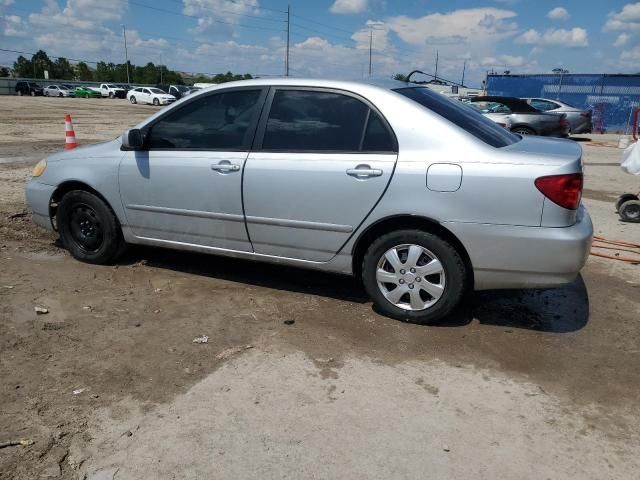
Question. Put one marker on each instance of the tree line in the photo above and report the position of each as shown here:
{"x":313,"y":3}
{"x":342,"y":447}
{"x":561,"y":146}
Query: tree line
{"x":62,"y":69}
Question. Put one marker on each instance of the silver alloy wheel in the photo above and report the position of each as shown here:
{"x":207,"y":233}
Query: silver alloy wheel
{"x":410,"y":277}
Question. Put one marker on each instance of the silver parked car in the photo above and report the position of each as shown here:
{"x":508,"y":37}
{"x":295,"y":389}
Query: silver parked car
{"x":580,"y":120}
{"x":58,"y":91}
{"x":520,"y":117}
{"x":419,"y":196}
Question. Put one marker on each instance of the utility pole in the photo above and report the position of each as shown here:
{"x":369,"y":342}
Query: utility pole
{"x":161,"y":69}
{"x":370,"y":51}
{"x":464,"y":67}
{"x":286,"y":59}
{"x":436,"y":74}
{"x":126,"y":54}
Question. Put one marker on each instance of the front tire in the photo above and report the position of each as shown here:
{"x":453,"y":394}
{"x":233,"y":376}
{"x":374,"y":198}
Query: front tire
{"x":414,"y":276}
{"x":156,"y":102}
{"x":88,"y":228}
{"x":33,"y":94}
{"x":20,"y":93}
{"x":133,"y":100}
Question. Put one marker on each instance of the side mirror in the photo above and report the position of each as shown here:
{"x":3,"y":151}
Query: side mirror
{"x":133,"y":140}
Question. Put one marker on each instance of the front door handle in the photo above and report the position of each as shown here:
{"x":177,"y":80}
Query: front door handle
{"x":364,"y":171}
{"x":225,"y":167}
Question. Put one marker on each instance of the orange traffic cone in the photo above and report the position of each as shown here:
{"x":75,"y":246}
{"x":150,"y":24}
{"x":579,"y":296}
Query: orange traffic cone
{"x":70,"y":139}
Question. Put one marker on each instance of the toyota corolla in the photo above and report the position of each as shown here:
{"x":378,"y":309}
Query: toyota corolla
{"x":421,"y":198}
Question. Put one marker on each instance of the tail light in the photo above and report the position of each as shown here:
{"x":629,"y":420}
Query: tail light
{"x":563,"y":121}
{"x":564,"y":190}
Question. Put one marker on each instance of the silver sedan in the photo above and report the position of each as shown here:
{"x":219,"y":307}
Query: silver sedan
{"x":419,"y":196}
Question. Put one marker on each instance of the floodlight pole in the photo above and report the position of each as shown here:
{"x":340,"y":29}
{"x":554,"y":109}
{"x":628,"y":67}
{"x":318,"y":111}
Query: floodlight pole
{"x":286,"y":59}
{"x":370,"y":51}
{"x":126,"y":54}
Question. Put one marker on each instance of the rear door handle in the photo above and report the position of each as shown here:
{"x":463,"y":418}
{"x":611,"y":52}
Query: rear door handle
{"x":364,"y":171}
{"x":225,"y":167}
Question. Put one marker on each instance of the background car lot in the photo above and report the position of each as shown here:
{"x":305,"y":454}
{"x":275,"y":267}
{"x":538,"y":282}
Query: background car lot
{"x":514,"y":378}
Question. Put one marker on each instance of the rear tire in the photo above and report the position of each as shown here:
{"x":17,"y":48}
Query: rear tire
{"x":33,"y":94}
{"x":88,"y":228}
{"x":630,"y":211}
{"x":625,"y":197}
{"x":426,"y":299}
{"x":20,"y":93}
{"x":523,"y":131}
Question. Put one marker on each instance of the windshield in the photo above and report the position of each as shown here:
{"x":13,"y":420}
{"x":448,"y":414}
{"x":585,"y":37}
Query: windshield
{"x":461,"y":115}
{"x":182,"y":88}
{"x":156,"y":90}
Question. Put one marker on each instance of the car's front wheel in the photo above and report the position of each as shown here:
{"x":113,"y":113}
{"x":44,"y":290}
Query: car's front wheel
{"x":414,"y":276}
{"x":19,"y":93}
{"x":33,"y":94}
{"x":133,"y":100}
{"x":156,"y":102}
{"x":88,"y":228}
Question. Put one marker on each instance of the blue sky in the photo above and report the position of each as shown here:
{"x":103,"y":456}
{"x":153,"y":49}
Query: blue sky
{"x":330,"y":38}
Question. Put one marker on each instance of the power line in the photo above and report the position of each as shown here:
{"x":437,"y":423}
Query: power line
{"x":50,"y":56}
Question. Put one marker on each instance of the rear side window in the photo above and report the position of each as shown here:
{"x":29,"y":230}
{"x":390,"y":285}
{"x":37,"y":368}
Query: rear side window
{"x":215,"y":122}
{"x":461,"y":115}
{"x":312,"y":121}
{"x":543,"y":105}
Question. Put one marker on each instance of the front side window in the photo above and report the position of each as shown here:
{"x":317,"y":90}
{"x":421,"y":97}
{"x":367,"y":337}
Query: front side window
{"x":216,"y":122}
{"x":303,"y":120}
{"x":464,"y":117}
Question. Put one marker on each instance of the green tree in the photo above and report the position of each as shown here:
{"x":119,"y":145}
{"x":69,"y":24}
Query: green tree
{"x":4,"y":72}
{"x":41,"y":62}
{"x":104,"y":72}
{"x":23,"y":67}
{"x":83,"y":71}
{"x":401,"y":77}
{"x":62,"y":69}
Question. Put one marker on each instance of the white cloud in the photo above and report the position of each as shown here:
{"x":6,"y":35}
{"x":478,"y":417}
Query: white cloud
{"x":346,"y":7}
{"x":626,"y":19}
{"x":13,"y":26}
{"x":558,"y":13}
{"x":622,"y":40}
{"x":471,"y":25}
{"x":575,"y":37}
{"x":229,"y":11}
{"x":503,"y":61}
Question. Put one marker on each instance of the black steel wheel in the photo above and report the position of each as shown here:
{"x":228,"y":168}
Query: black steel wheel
{"x":625,"y":197}
{"x":88,"y":228}
{"x":630,"y":211}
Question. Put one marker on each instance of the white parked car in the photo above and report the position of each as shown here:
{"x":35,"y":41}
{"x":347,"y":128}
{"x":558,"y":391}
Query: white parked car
{"x":112,"y":91}
{"x":57,"y":91}
{"x":151,"y":95}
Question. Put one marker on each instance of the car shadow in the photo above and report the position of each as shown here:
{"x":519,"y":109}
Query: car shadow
{"x":560,"y":310}
{"x":580,"y":139}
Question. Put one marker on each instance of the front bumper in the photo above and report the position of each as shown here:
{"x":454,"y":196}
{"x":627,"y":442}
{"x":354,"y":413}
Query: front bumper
{"x":506,"y":256}
{"x":38,"y":197}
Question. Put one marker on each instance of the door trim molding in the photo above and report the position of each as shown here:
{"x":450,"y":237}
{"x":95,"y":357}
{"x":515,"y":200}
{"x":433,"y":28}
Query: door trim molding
{"x":230,"y":217}
{"x":281,"y":222}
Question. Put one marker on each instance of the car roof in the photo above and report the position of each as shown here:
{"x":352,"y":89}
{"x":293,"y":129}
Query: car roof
{"x":516,"y":104}
{"x":387,"y":84}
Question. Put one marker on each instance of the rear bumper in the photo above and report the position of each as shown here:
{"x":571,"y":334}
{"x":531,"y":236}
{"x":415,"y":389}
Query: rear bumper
{"x":38,"y":196}
{"x":505,"y":256}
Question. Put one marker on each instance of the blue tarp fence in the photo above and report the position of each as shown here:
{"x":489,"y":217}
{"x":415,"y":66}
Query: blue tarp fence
{"x":611,"y":98}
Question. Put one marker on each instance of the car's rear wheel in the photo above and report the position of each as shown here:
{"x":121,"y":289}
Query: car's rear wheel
{"x":630,"y":211}
{"x":88,"y":228}
{"x":33,"y":94}
{"x":20,"y":93}
{"x":156,"y":102}
{"x":625,"y":197}
{"x":523,"y":131}
{"x":133,"y":100}
{"x":414,"y":276}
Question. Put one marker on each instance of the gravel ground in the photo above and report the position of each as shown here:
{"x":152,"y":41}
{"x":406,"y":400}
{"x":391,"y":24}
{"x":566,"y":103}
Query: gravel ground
{"x":300,"y":378}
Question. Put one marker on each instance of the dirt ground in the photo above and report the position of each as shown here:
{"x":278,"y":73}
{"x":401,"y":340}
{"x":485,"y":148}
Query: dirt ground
{"x":300,"y":378}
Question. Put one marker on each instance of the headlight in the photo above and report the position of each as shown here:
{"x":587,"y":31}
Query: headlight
{"x":39,"y":168}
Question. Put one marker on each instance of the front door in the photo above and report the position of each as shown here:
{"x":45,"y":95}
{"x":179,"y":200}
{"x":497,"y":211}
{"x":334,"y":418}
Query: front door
{"x":186,"y":186}
{"x":322,"y":161}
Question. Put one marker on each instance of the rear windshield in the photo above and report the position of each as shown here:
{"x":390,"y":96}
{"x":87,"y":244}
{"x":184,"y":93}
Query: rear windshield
{"x":461,"y":115}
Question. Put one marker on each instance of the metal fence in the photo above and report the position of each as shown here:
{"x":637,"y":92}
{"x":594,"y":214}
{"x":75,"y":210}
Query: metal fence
{"x":8,"y":84}
{"x":612,"y":98}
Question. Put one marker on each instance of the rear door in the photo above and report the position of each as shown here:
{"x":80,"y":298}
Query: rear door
{"x":321,"y":161}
